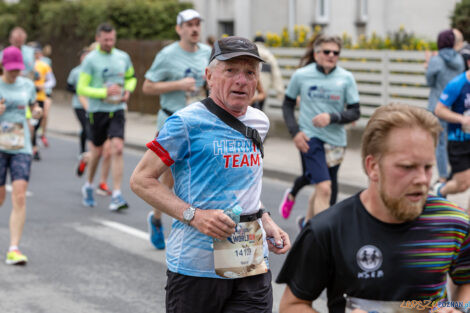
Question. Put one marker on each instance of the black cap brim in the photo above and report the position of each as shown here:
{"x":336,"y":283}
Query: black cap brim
{"x":231,"y":55}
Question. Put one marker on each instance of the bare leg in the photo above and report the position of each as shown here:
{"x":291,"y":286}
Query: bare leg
{"x":95,"y":154}
{"x":106,"y":161}
{"x":320,"y":199}
{"x":117,"y":164}
{"x":47,"y":106}
{"x":18,"y":213}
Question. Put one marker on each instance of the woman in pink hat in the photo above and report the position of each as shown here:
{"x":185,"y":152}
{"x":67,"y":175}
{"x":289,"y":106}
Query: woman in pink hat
{"x":17,"y":95}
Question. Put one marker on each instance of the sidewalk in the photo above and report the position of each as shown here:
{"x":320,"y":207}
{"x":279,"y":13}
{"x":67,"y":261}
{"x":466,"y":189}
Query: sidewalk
{"x":281,"y":161}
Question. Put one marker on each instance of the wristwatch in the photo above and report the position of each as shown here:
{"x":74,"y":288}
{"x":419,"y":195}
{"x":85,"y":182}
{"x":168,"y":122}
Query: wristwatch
{"x":188,"y":215}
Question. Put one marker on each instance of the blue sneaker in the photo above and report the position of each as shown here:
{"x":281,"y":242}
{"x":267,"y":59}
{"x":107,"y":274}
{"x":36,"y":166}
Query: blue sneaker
{"x":436,"y":189}
{"x":118,"y":203}
{"x":88,"y":199}
{"x":157,"y":238}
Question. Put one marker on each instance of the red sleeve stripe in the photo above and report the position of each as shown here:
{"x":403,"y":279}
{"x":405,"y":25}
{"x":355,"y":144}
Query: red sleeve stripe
{"x":161,"y":152}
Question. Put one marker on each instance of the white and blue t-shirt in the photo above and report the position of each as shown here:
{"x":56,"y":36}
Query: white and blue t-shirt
{"x":214,"y":167}
{"x":321,"y":93}
{"x":174,"y":63}
{"x":456,"y":96}
{"x":18,"y":96}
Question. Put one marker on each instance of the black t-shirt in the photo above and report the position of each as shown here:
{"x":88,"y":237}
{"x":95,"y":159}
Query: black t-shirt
{"x":350,"y":252}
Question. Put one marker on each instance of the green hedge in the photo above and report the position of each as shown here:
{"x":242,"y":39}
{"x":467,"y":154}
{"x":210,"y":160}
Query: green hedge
{"x":51,"y":20}
{"x":461,"y":18}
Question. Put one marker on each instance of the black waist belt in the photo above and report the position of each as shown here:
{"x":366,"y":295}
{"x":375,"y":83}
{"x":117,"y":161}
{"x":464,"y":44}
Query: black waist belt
{"x":167,"y":112}
{"x":251,"y":217}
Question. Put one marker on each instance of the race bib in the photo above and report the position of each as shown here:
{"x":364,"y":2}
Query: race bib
{"x":11,"y":136}
{"x":334,"y":154}
{"x":242,"y":254}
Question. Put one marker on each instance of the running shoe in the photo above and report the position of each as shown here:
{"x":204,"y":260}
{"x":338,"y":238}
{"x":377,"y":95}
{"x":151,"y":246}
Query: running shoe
{"x":118,"y":203}
{"x":286,"y":205}
{"x":157,"y":238}
{"x":15,"y":257}
{"x":44,"y":140}
{"x":88,"y":199}
{"x":36,"y":156}
{"x":81,"y":165}
{"x":436,"y":189}
{"x":103,"y":190}
{"x":301,"y":222}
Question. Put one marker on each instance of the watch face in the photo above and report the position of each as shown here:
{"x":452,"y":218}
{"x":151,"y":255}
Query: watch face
{"x":188,"y":214}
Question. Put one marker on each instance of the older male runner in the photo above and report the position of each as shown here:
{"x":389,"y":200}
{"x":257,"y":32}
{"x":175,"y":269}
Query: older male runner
{"x":215,"y":265}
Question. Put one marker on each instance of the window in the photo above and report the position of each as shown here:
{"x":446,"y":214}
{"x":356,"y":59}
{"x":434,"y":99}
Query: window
{"x":226,"y":28}
{"x":322,"y":12}
{"x":362,"y":11}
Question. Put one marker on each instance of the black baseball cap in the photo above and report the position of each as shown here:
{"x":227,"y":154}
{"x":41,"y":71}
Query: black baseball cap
{"x":231,"y":47}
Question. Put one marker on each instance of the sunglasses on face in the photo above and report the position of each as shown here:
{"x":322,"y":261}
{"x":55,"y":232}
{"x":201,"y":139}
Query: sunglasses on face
{"x":327,"y":52}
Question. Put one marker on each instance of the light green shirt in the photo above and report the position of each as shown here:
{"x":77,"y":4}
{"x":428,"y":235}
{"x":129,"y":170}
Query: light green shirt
{"x":99,"y":69}
{"x":321,"y":93}
{"x":18,"y":96}
{"x":173,"y":63}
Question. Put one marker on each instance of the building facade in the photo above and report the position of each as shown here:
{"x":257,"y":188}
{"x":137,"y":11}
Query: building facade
{"x":425,"y":18}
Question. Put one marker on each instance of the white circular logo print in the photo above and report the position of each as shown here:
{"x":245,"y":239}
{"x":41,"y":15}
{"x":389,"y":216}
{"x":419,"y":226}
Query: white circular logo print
{"x":369,"y":258}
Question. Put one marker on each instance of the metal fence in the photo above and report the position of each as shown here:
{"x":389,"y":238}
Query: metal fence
{"x":382,"y":76}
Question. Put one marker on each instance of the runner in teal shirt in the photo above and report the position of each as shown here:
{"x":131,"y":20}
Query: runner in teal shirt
{"x":328,"y":99}
{"x":100,"y":70}
{"x":16,"y":95}
{"x":177,"y":75}
{"x":106,"y":79}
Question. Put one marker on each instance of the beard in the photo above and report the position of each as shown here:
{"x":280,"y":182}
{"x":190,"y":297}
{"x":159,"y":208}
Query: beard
{"x":401,"y":208}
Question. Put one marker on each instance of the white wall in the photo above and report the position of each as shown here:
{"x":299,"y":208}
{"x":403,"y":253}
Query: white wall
{"x":426,"y":18}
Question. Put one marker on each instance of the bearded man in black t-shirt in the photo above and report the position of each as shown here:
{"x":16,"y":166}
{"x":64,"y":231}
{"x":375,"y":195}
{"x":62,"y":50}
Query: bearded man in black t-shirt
{"x":390,"y":243}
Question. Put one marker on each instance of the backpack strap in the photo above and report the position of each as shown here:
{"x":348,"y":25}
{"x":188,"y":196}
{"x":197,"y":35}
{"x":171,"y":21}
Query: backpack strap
{"x":232,"y":121}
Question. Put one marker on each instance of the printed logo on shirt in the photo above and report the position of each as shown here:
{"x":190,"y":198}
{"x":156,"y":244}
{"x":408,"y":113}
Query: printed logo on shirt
{"x":321,"y":93}
{"x":369,"y":258}
{"x":237,"y":153}
{"x":467,"y":101}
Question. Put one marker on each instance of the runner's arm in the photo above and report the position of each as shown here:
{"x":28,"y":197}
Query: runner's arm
{"x":291,"y":304}
{"x":463,"y":293}
{"x":161,"y":87}
{"x":443,"y":112}
{"x":351,"y":114}
{"x":144,"y":182}
{"x":288,"y":107}
{"x":84,"y":88}
{"x":50,"y":80}
{"x":130,"y":81}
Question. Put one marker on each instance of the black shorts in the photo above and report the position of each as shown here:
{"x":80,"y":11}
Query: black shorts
{"x":459,"y":155}
{"x":251,"y":294}
{"x":104,"y":125}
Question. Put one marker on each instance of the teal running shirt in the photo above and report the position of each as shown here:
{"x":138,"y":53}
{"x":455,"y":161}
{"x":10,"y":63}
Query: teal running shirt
{"x":321,"y":93}
{"x":18,"y":96}
{"x":173,"y":63}
{"x":100,"y":69}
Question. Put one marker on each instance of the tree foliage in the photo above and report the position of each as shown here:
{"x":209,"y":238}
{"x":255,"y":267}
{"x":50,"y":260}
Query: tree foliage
{"x":52,"y":20}
{"x":460,"y":18}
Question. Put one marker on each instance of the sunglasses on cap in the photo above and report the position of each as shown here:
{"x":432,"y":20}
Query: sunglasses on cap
{"x":327,"y":52}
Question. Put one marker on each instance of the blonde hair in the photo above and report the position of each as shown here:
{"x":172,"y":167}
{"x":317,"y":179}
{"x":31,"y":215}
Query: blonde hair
{"x":392,"y":116}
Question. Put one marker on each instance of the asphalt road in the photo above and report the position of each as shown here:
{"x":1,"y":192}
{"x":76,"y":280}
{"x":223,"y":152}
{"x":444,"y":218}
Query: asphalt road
{"x":90,"y":259}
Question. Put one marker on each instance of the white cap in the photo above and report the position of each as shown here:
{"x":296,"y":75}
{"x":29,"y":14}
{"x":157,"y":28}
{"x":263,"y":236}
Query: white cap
{"x":187,"y":15}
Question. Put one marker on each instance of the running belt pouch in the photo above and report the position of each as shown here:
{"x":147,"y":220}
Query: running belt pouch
{"x":233,"y":122}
